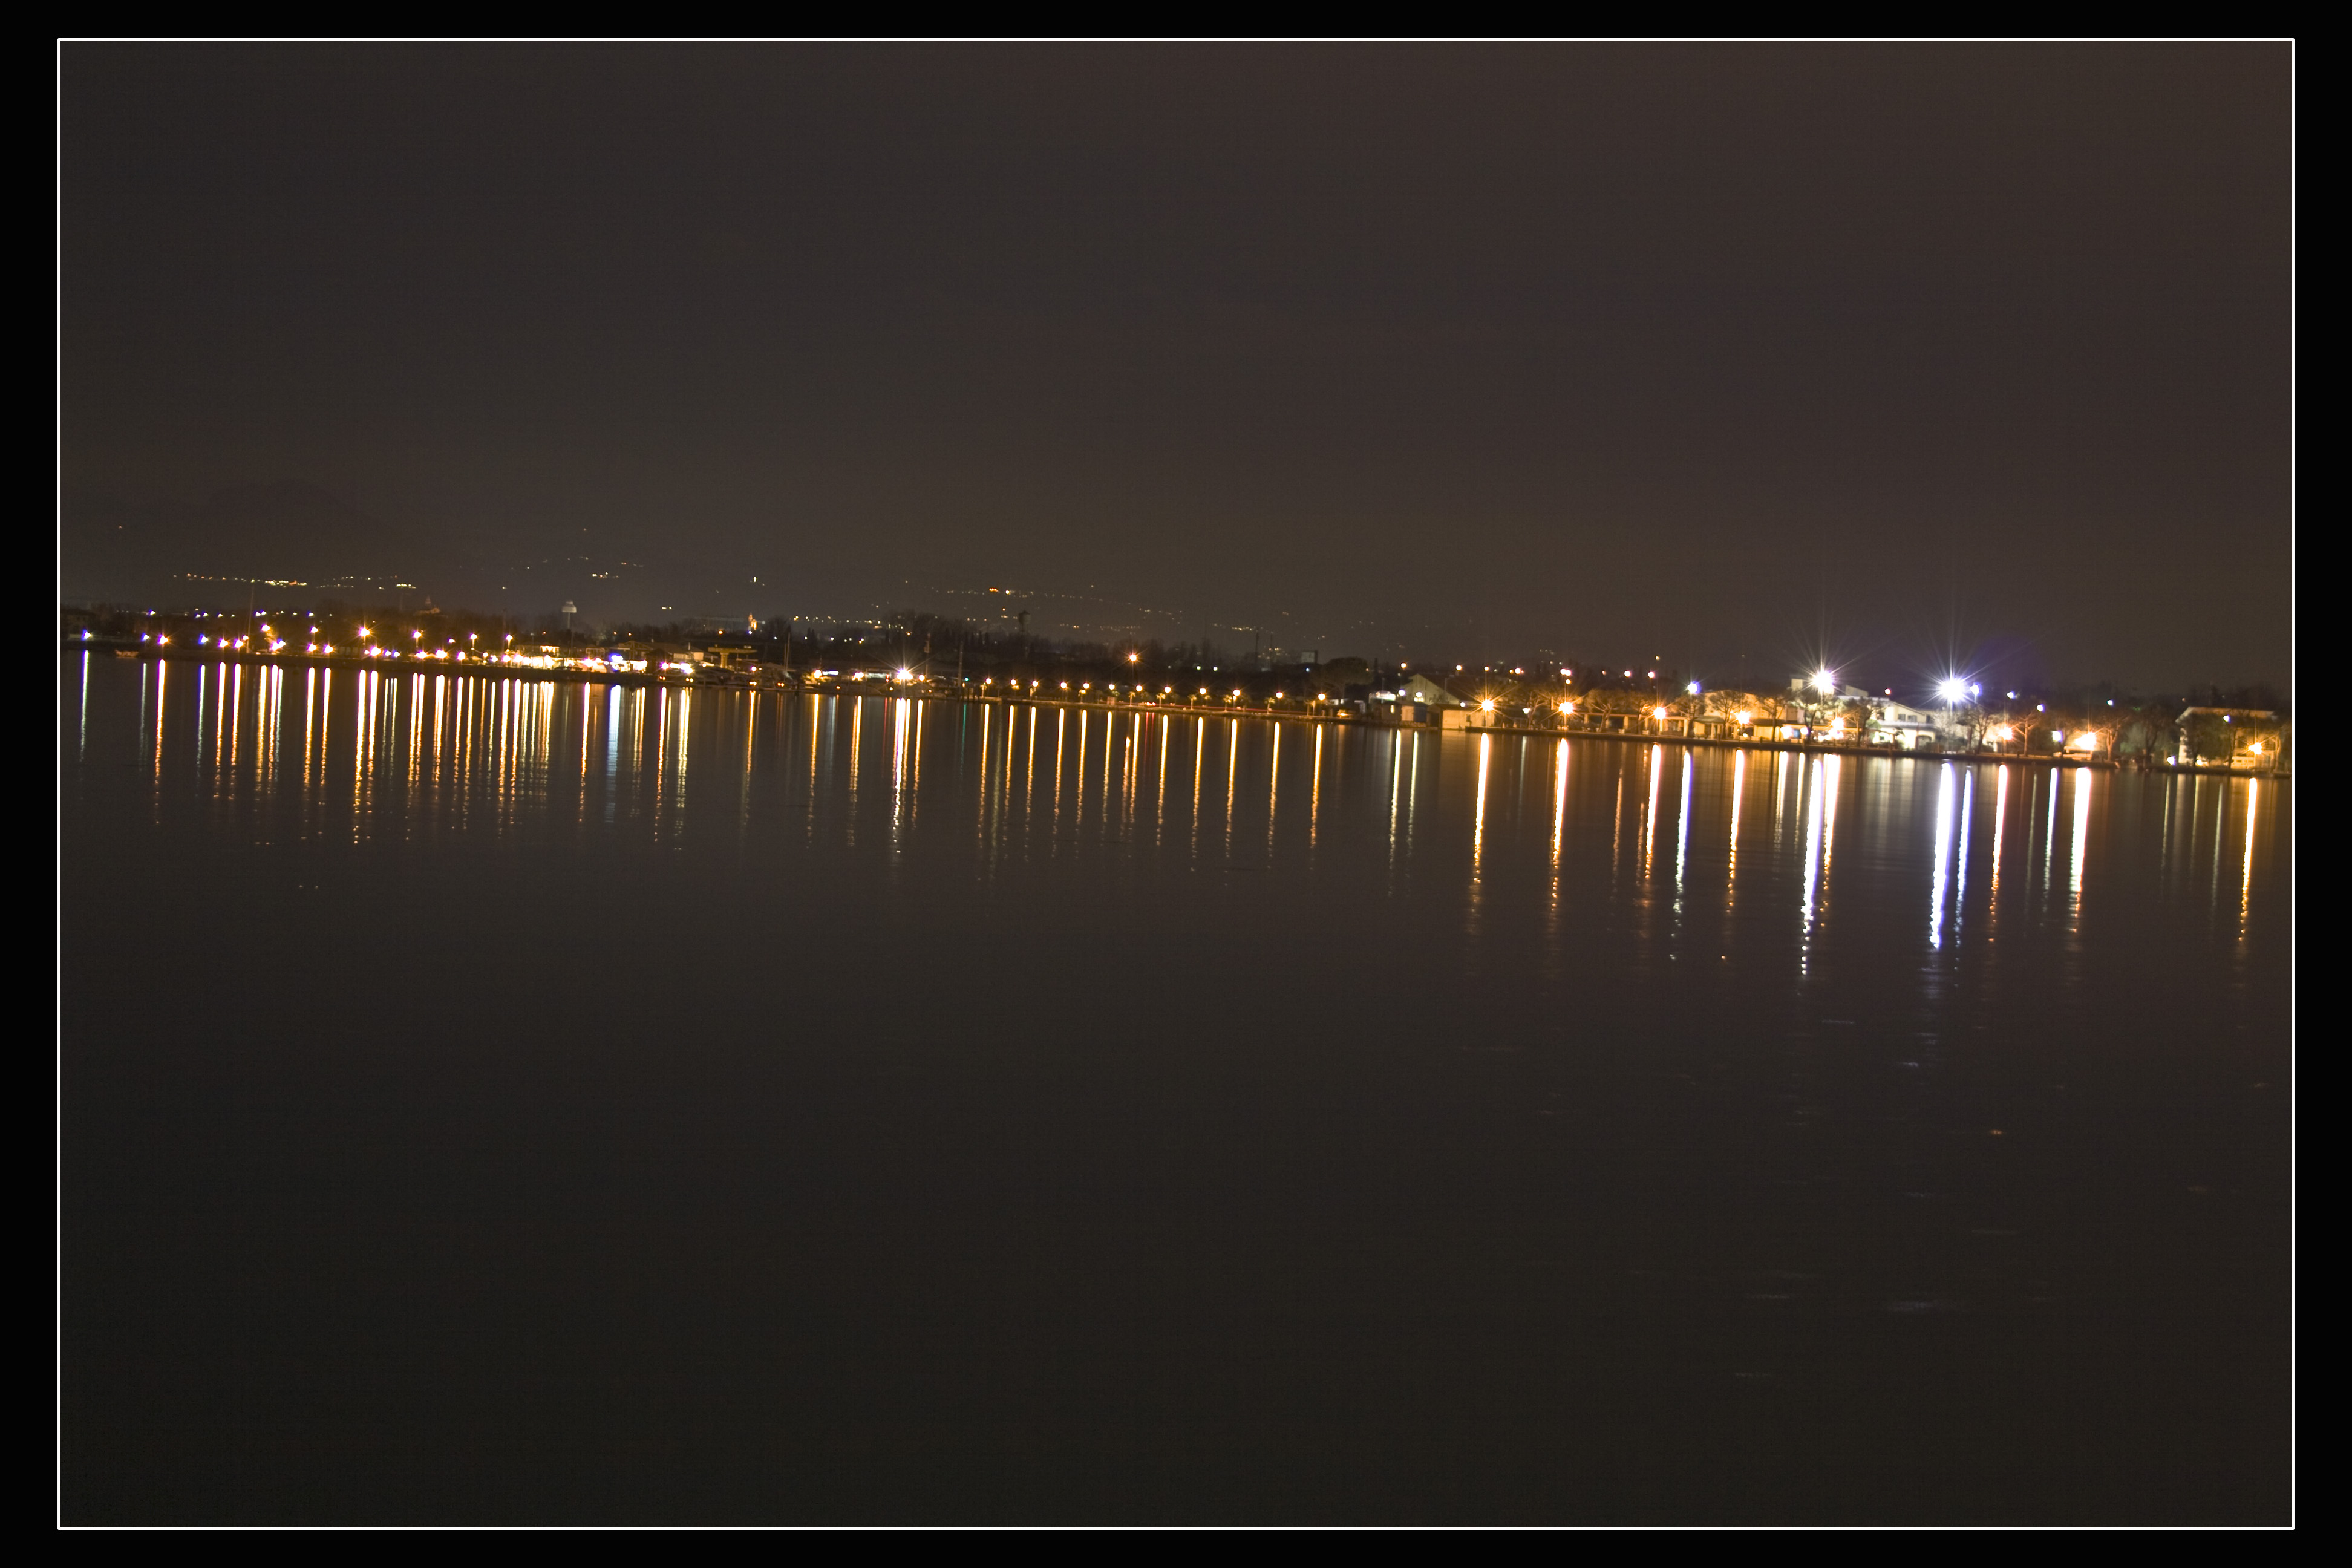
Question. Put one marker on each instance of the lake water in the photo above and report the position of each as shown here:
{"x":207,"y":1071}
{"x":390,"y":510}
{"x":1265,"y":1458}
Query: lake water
{"x":514,"y":1101}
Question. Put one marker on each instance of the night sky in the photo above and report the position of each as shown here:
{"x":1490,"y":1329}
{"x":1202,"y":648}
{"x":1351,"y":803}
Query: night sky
{"x":1444,"y":352}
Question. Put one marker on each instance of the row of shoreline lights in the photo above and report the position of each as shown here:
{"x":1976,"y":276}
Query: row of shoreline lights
{"x":1113,"y":688}
{"x":371,"y":650}
{"x":1953,"y":691}
{"x":2086,"y":740}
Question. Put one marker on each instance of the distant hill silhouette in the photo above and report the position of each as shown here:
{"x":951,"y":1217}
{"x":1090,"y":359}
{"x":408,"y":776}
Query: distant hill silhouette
{"x":177,"y":551}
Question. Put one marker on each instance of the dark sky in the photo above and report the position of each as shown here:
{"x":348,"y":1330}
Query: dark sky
{"x":1458,"y":352}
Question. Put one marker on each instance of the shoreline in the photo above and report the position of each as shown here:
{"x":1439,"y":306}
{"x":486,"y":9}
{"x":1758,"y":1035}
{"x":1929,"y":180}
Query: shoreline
{"x":799,"y":686}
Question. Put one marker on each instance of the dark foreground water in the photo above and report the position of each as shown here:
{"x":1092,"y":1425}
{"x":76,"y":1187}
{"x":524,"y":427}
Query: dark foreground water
{"x":531,"y":1102}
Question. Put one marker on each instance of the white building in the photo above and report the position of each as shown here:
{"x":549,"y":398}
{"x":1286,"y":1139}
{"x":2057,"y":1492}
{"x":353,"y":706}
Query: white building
{"x":1428,"y":693}
{"x":1894,"y":724}
{"x":1890,"y":723}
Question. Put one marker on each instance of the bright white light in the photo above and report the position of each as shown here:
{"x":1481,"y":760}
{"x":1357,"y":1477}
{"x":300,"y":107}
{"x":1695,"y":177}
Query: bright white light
{"x":1693,"y":688}
{"x":1657,"y":713}
{"x":1824,"y":681}
{"x":1953,"y":689}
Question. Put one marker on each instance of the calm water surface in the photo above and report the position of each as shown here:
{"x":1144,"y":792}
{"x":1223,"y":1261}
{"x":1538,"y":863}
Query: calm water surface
{"x":517,"y":1101}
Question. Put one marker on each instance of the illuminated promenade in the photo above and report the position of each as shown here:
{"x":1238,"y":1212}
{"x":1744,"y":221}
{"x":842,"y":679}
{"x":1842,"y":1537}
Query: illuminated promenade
{"x":1635,"y":729}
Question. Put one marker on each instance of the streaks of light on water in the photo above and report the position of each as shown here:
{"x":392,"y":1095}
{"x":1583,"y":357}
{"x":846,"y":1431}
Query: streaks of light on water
{"x":384,"y":757}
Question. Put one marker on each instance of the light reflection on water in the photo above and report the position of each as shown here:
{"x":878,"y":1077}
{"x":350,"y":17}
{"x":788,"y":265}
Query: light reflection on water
{"x":709,"y":1029}
{"x":378,"y":755}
